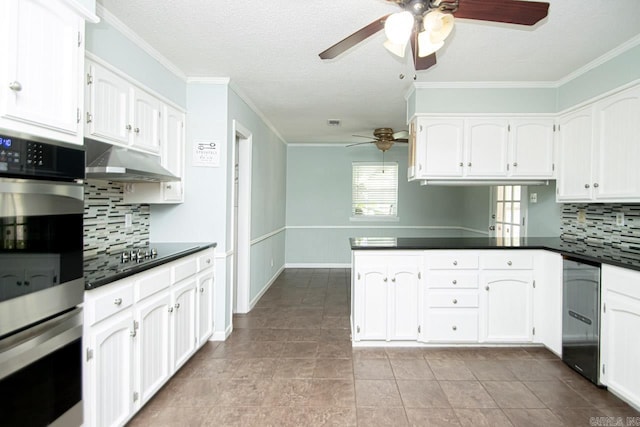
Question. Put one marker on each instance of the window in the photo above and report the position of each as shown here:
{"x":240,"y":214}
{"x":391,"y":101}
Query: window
{"x":374,"y":190}
{"x":509,"y":211}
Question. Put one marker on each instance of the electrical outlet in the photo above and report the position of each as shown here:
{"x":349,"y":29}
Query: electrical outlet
{"x":533,"y":198}
{"x":620,"y":219}
{"x":582,"y":216}
{"x":271,"y":262}
{"x":128,"y":220}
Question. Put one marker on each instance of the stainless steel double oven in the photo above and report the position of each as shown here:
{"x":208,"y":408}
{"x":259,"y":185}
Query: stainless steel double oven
{"x":41,"y":282}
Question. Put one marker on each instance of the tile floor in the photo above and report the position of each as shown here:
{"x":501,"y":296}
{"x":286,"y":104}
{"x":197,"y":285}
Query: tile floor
{"x":290,"y":363}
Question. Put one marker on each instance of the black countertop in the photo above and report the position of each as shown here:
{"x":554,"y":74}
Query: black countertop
{"x":628,"y":258}
{"x":107,"y":268}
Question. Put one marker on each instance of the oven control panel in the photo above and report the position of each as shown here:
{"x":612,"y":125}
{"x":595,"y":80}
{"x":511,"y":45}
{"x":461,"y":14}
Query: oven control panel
{"x":33,"y":159}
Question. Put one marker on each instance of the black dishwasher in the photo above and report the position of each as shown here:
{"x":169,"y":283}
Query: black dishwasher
{"x":581,"y":317}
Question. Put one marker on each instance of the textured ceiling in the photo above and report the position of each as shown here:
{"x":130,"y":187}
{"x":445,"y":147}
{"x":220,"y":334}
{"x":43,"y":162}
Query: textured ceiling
{"x":269,"y":50}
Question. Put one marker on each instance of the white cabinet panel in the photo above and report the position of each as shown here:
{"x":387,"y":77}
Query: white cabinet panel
{"x":574,"y":147}
{"x":404,"y":299}
{"x":531,"y":148}
{"x":507,"y":307}
{"x":146,"y":121}
{"x":439,"y":148}
{"x":452,"y":325}
{"x":183,"y":322}
{"x":42,"y":53}
{"x":205,"y":306}
{"x":371,"y":302}
{"x":486,"y":147}
{"x":108,"y":104}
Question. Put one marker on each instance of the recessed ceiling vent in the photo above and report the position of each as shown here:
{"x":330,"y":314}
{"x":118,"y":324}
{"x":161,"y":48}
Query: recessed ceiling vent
{"x":333,"y":122}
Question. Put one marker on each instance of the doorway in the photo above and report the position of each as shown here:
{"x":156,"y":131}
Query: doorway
{"x":241,"y":219}
{"x":508,"y":212}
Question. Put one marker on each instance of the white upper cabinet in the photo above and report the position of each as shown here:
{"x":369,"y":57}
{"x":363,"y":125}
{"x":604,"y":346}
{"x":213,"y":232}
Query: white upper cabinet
{"x":145,"y":121}
{"x":531,"y":148}
{"x":486,"y":147}
{"x":616,"y":173}
{"x":481,"y":148}
{"x":107,"y":103}
{"x":42,"y":49}
{"x":575,"y":141}
{"x":599,"y":150}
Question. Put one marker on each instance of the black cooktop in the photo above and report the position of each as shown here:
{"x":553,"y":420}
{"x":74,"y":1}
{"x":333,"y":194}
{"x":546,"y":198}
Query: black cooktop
{"x":106,"y":268}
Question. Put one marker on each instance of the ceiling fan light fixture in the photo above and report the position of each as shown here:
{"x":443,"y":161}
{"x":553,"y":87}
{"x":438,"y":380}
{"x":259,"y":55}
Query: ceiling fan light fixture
{"x":398,"y":27}
{"x":395,"y":48}
{"x":425,"y":46}
{"x":439,"y":25}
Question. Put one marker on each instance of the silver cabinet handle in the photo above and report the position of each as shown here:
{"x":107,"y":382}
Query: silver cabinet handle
{"x":170,"y":309}
{"x":515,"y":164}
{"x":385,"y":279}
{"x":393,"y":280}
{"x":15,"y":86}
{"x":586,"y":186}
{"x":455,"y":328}
{"x":461,"y":164}
{"x":455,"y":282}
{"x":168,"y":186}
{"x":455,"y":301}
{"x":177,"y":306}
{"x":469,"y":164}
{"x":509,"y":263}
{"x":208,"y":260}
{"x":201,"y":290}
{"x":596,"y":185}
{"x":487,"y":288}
{"x":137,"y":130}
{"x":117,"y":301}
{"x":133,"y":333}
{"x":128,"y":127}
{"x":455,"y":262}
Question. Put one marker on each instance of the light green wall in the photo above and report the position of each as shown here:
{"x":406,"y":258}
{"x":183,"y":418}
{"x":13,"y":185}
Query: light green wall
{"x":112,"y":46}
{"x":268,"y":193}
{"x":544,"y":216}
{"x":319,"y":203}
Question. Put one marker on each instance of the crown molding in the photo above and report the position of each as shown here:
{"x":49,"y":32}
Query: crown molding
{"x":629,"y":44}
{"x":484,"y":85}
{"x":139,"y":41}
{"x":256,"y":110}
{"x":209,"y":80}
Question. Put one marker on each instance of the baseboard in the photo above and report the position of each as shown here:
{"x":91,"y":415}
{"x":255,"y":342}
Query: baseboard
{"x":318,"y":265}
{"x":255,"y":300}
{"x":221,"y":335}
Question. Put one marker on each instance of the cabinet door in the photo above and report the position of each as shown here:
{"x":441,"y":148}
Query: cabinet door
{"x":575,"y":143}
{"x":110,"y":394}
{"x":617,"y":169}
{"x":205,"y":306}
{"x":173,"y":152}
{"x":403,"y":294}
{"x":486,"y":147}
{"x":507,"y":307}
{"x":439,"y":148}
{"x":146,"y":121}
{"x":43,"y":66}
{"x":531,"y":148}
{"x":108,"y":115}
{"x":12,"y":283}
{"x":153,"y":339}
{"x":371,"y":299}
{"x":183,"y":322}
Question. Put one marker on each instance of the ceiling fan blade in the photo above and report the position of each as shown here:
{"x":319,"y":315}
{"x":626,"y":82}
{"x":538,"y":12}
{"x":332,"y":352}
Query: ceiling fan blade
{"x":401,"y":134}
{"x":354,"y":39}
{"x":509,"y":11}
{"x":362,"y":136}
{"x":401,"y":141}
{"x":360,"y":143}
{"x":418,"y":62}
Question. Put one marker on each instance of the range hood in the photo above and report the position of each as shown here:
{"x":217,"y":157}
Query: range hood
{"x":482,"y":182}
{"x":111,"y":163}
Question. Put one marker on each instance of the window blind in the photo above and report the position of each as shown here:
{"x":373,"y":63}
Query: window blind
{"x":374,"y":189}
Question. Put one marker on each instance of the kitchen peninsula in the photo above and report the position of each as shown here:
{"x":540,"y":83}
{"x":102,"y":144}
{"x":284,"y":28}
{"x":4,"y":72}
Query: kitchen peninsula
{"x":491,"y":292}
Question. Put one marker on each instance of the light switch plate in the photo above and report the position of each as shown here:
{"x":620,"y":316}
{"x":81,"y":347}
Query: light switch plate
{"x":128,"y":220}
{"x":582,"y":216}
{"x":533,"y":198}
{"x":620,"y":219}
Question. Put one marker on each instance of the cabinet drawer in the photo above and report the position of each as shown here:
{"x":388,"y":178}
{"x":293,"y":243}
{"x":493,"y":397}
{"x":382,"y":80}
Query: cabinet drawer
{"x":508,"y":261}
{"x":205,"y":261}
{"x":450,"y":325}
{"x":157,"y":280}
{"x":109,"y":303}
{"x":452,"y":299}
{"x":454,"y":260}
{"x":453,"y":280}
{"x":185,"y":268}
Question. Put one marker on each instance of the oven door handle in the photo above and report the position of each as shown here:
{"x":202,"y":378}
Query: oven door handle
{"x":71,"y":190}
{"x":24,"y":348}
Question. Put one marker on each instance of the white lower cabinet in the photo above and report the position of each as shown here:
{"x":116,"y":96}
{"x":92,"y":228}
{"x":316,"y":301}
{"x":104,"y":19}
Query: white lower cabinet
{"x":138,"y":331}
{"x":385,"y":296}
{"x":620,"y":323}
{"x":507,"y":307}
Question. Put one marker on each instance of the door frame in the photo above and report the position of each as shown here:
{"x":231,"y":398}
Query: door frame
{"x":242,"y":253}
{"x":524,"y":209}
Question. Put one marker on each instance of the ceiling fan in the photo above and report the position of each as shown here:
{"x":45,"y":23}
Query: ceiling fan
{"x":384,"y":138}
{"x":425,"y":24}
